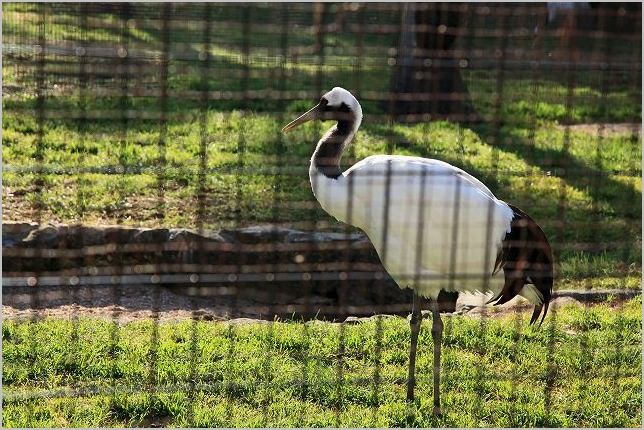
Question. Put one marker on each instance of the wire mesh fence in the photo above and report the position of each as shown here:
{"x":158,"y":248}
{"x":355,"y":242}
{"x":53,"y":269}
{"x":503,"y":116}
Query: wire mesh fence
{"x":146,"y":178}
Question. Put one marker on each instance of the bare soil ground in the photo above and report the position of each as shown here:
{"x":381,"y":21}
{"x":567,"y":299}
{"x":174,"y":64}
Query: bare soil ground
{"x":608,"y":129}
{"x":128,"y":303}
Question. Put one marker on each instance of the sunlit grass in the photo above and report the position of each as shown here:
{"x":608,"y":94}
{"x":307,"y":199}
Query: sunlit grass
{"x":99,"y":157}
{"x":581,"y":369}
{"x":252,"y":173}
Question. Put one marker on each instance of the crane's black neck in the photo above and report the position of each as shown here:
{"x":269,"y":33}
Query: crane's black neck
{"x":328,"y":153}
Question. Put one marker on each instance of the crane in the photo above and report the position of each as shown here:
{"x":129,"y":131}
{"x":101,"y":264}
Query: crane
{"x":436,"y":228}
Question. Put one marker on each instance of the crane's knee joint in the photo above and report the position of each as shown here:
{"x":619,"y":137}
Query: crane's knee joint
{"x":415,"y":318}
{"x":437,"y":327}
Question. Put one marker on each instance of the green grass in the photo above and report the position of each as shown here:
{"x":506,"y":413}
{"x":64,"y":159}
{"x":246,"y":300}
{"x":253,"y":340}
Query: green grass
{"x":225,"y":162}
{"x":595,"y":180}
{"x":183,"y":162}
{"x":582,"y":368}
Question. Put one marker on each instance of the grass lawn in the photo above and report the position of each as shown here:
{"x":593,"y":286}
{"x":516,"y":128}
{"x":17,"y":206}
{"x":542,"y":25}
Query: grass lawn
{"x":581,"y":369}
{"x":88,"y":139}
{"x":81,"y":150}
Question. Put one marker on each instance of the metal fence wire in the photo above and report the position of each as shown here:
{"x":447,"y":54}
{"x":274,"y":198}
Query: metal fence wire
{"x":146,"y":177}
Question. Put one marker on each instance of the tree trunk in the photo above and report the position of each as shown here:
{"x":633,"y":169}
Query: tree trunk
{"x":427,"y":82}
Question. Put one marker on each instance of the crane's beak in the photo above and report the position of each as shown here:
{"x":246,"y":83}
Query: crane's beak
{"x":314,"y":113}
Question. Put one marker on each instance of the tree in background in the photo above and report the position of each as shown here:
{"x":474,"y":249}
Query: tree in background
{"x":427,"y":82}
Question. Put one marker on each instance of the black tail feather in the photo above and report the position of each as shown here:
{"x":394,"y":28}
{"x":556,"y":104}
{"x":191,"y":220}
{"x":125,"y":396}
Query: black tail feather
{"x":537,"y":311}
{"x":526,"y":258}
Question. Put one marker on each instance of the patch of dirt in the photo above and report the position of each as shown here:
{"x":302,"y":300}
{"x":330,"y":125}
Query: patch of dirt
{"x":121,"y":303}
{"x":127,"y":303}
{"x":155,"y":422}
{"x":609,"y":129}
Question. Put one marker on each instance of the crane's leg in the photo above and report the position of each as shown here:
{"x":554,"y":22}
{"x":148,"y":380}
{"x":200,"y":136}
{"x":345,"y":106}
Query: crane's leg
{"x":414,"y":323}
{"x":437,"y":336}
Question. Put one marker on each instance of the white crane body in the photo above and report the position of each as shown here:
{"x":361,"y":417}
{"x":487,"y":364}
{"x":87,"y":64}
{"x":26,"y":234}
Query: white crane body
{"x":434,"y":226}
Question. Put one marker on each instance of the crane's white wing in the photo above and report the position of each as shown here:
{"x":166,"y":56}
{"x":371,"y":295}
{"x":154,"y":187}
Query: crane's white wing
{"x":434,"y":225}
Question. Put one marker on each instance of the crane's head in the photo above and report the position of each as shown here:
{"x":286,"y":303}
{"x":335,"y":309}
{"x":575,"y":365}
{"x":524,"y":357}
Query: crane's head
{"x":338,"y":104}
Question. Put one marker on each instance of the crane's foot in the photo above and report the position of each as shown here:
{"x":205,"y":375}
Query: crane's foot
{"x":437,"y":411}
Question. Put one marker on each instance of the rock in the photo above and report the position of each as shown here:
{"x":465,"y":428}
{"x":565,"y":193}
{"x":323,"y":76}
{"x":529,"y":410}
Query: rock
{"x":253,"y":268}
{"x":256,"y":235}
{"x":45,"y":236}
{"x":156,"y":235}
{"x":188,"y":235}
{"x":79,"y":236}
{"x":353,"y":320}
{"x":313,"y":236}
{"x":14,"y":232}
